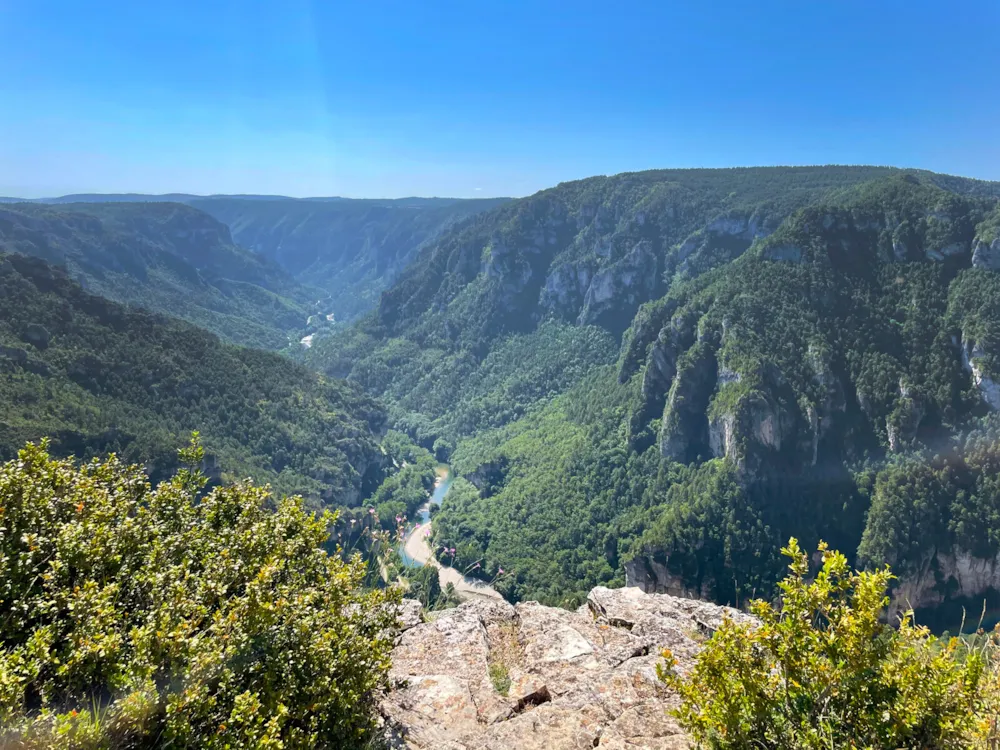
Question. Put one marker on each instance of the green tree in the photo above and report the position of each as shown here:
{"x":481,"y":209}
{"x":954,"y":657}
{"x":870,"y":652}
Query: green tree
{"x":824,"y":671}
{"x":132,"y":616}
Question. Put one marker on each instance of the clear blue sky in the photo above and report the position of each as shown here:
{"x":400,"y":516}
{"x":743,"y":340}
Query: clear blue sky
{"x":470,"y":98}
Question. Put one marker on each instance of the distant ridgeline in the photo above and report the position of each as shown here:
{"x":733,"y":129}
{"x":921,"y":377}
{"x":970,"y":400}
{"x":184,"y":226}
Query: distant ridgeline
{"x":96,"y":377}
{"x":804,"y":351}
{"x":168,"y":258}
{"x":351,"y":249}
{"x":164,"y":253}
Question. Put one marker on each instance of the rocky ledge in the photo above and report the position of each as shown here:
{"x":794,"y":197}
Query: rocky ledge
{"x":493,"y":675}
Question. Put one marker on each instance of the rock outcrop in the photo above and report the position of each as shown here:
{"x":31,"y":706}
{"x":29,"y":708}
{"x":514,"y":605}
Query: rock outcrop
{"x":651,"y":575}
{"x":944,"y":575}
{"x":972,"y":354}
{"x":722,"y":240}
{"x":901,"y":426}
{"x":684,"y":430}
{"x":630,"y":281}
{"x":986,"y":255}
{"x":493,"y":675}
{"x":751,"y":427}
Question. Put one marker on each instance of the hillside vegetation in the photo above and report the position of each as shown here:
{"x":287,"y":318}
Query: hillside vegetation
{"x":824,"y":670}
{"x":134,"y":616}
{"x":794,"y":341}
{"x":351,"y":249}
{"x":95,"y":377}
{"x":168,"y":258}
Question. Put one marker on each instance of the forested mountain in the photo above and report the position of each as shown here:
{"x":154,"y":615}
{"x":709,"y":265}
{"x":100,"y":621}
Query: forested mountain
{"x":96,"y":377}
{"x":343,"y":251}
{"x":167,"y":257}
{"x":805,"y":351}
{"x":352,"y":249}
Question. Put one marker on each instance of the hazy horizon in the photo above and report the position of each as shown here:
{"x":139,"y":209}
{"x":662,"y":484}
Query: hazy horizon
{"x":277,"y":196}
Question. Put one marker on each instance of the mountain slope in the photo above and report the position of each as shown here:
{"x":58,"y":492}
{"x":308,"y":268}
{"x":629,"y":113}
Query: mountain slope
{"x":168,"y":258}
{"x":796,"y":343}
{"x":99,"y":377}
{"x":352,"y":249}
{"x":584,"y":253}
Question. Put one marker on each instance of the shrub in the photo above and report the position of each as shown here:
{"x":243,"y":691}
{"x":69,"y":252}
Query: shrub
{"x":824,"y":671}
{"x":137,"y":617}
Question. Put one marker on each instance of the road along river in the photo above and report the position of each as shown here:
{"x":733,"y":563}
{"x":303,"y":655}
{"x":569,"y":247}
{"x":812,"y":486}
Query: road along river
{"x":416,"y":551}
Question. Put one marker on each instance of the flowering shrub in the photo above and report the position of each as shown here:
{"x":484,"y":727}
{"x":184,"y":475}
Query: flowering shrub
{"x":136,"y":617}
{"x":823,"y":671}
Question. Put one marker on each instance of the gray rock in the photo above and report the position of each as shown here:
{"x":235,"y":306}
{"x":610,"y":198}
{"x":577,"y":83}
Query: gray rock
{"x":986,"y":255}
{"x":946,"y":251}
{"x":684,"y":428}
{"x":577,"y":679}
{"x":410,"y":614}
{"x":652,"y":576}
{"x":626,"y":283}
{"x":989,"y":389}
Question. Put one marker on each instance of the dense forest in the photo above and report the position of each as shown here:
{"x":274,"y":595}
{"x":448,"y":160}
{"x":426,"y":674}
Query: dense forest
{"x":352,"y":249}
{"x":654,"y":377}
{"x":96,"y":377}
{"x":168,"y":258}
{"x":793,"y":343}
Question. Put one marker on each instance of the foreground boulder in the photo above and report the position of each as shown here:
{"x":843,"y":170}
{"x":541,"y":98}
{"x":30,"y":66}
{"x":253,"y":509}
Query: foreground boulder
{"x":493,"y":675}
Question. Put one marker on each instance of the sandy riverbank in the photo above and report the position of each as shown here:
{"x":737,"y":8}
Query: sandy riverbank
{"x":416,"y":547}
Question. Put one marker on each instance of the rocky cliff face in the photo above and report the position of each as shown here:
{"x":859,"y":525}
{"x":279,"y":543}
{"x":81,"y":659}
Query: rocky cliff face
{"x":972,"y":353}
{"x":684,"y":432}
{"x":943,"y":575}
{"x":986,"y":254}
{"x":560,"y":679}
{"x":648,"y":574}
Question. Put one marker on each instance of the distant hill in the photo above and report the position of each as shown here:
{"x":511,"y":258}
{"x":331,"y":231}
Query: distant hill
{"x":352,"y":249}
{"x":804,"y":351}
{"x":412,"y":201}
{"x":349,"y":249}
{"x":95,"y":377}
{"x":167,"y":257}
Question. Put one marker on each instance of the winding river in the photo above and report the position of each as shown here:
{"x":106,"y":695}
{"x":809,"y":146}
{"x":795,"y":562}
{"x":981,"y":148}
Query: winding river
{"x":416,"y":552}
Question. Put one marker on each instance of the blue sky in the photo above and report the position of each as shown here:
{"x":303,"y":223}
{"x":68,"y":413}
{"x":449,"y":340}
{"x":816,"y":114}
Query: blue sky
{"x":474,"y":98}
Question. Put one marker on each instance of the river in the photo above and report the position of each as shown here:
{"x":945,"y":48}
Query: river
{"x":416,"y":552}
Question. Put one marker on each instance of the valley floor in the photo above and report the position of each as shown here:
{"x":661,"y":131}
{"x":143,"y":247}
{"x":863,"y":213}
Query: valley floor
{"x":417,"y":548}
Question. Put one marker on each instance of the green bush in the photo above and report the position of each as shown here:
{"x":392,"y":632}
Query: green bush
{"x":138,"y":617}
{"x":824,"y":671}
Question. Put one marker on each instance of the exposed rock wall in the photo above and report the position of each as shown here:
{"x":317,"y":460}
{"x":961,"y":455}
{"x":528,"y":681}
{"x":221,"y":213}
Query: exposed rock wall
{"x":648,"y":574}
{"x":754,"y":428}
{"x":988,"y":388}
{"x":580,"y":679}
{"x":954,"y":574}
{"x":684,"y":431}
{"x":986,"y":255}
{"x":630,"y":281}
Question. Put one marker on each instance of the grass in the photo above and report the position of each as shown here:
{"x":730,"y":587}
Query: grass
{"x":505,"y":654}
{"x":500,"y":678}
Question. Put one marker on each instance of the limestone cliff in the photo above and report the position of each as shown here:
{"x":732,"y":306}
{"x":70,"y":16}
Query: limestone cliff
{"x":972,"y":356}
{"x":561,"y":679}
{"x":986,"y":254}
{"x":684,"y":430}
{"x":943,"y":575}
